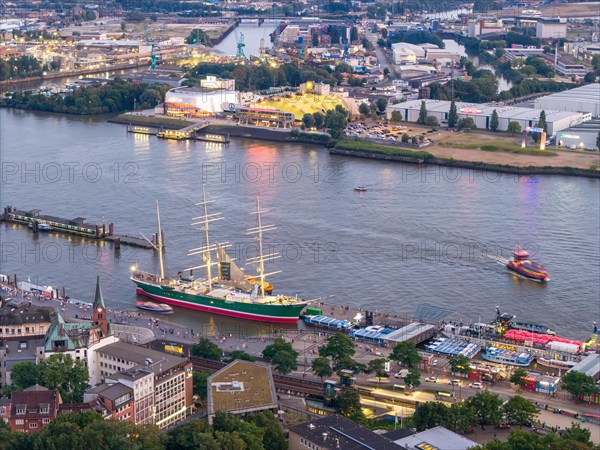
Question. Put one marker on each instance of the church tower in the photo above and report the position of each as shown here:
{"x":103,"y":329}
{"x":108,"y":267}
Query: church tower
{"x":99,"y":318}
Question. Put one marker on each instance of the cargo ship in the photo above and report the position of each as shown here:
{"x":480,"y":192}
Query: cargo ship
{"x":161,"y":308}
{"x":229,"y":292}
{"x":528,"y":269}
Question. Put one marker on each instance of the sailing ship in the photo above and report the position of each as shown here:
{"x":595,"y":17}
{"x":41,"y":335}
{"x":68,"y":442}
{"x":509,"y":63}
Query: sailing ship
{"x":229,"y":292}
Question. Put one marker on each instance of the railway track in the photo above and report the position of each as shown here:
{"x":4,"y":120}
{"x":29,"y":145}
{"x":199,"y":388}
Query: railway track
{"x":283,"y":384}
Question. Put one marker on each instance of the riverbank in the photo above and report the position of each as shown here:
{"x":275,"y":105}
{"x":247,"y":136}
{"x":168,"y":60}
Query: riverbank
{"x":526,"y":163}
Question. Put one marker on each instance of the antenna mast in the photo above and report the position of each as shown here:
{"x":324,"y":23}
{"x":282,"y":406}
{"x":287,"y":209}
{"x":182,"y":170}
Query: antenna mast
{"x":159,"y":242}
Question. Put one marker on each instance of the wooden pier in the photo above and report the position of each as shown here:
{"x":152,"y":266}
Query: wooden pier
{"x":38,"y":222}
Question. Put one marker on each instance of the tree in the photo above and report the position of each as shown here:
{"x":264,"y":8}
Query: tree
{"x":275,"y":437}
{"x":413,"y":378}
{"x":200,"y":385}
{"x":319,"y":120}
{"x":205,"y":348}
{"x":494,"y":122}
{"x":452,"y":115}
{"x":405,"y":138}
{"x":285,"y":361}
{"x":353,"y":34}
{"x":542,"y":121}
{"x":364,"y":109}
{"x":315,"y":39}
{"x":123,"y":26}
{"x":513,"y":127}
{"x":347,"y":363}
{"x":377,"y":366}
{"x":321,"y":367}
{"x":466,"y":124}
{"x":406,"y":353}
{"x":460,"y":364}
{"x":422,"y":113}
{"x":70,"y":377}
{"x":396,"y":116}
{"x":381,"y":104}
{"x":308,"y":120}
{"x":429,"y":415}
{"x":240,"y":354}
{"x":336,"y":124}
{"x":431,"y":121}
{"x":338,"y":346}
{"x":578,"y":383}
{"x":278,"y":345}
{"x":518,"y":377}
{"x":24,"y":375}
{"x":487,"y":408}
{"x":348,"y":404}
{"x":598,"y":141}
{"x":519,"y":411}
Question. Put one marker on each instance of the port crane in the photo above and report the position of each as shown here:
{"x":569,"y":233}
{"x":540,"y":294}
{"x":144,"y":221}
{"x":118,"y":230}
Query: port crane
{"x":153,"y":56}
{"x":240,"y":45}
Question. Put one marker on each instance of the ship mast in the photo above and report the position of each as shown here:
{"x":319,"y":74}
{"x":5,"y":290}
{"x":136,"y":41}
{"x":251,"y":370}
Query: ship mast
{"x":207,"y":248}
{"x":158,"y":245}
{"x":260,"y":259}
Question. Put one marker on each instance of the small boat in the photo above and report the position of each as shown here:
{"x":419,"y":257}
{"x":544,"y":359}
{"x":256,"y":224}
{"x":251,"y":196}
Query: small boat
{"x":556,"y":363}
{"x":534,"y":328}
{"x":40,"y":226}
{"x":528,"y":269}
{"x":161,"y":308}
{"x":360,"y":188}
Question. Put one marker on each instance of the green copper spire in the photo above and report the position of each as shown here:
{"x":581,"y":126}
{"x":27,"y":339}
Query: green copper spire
{"x":98,"y":299}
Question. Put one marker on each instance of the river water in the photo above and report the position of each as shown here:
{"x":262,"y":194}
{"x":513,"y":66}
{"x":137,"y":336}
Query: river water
{"x":417,"y":236}
{"x":253,"y":35}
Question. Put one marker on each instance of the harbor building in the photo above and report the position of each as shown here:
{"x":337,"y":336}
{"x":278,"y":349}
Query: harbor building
{"x":481,"y":113}
{"x":161,"y":383}
{"x":551,"y":28}
{"x":584,"y":99}
{"x":241,"y":387}
{"x":580,"y":136}
{"x":203,"y":101}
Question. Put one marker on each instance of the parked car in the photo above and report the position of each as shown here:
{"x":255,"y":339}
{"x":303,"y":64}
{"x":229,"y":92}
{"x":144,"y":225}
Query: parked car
{"x":476,"y":385}
{"x":432,"y":379}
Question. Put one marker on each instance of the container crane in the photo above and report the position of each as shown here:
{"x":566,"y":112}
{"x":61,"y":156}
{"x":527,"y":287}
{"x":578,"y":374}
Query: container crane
{"x":240,"y":45}
{"x":153,"y":56}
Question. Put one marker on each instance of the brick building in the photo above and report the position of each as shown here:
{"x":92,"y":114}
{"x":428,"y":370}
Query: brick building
{"x":31,"y":409}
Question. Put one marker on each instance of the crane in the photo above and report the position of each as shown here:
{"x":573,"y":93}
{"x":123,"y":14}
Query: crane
{"x":153,"y":56}
{"x":240,"y":45}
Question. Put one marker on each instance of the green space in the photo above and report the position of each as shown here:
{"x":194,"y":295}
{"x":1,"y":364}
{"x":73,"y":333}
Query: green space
{"x":500,"y":147}
{"x":368,"y":147}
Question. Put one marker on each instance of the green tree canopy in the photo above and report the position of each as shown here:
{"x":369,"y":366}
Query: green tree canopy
{"x":241,"y":354}
{"x":494,"y":122}
{"x":338,"y":347}
{"x":519,"y":411}
{"x":518,"y":377}
{"x":321,"y":367}
{"x":460,"y":364}
{"x":200,"y":383}
{"x":578,"y":383}
{"x":452,"y":115}
{"x":422,"y":113}
{"x":205,"y":348}
{"x":513,"y":127}
{"x":406,"y":352}
{"x":381,"y":104}
{"x":413,"y":378}
{"x":466,"y":124}
{"x":429,"y":415}
{"x":431,"y":121}
{"x":487,"y":408}
{"x":60,"y":371}
{"x":347,"y":403}
{"x":24,"y":375}
{"x":285,"y":361}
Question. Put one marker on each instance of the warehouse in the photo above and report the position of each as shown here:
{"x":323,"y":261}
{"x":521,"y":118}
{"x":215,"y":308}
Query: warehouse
{"x":581,"y":136}
{"x":197,"y":101}
{"x":481,"y":113}
{"x":582,"y":99}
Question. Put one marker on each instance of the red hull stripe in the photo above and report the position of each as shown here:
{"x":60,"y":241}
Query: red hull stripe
{"x":220,"y":311}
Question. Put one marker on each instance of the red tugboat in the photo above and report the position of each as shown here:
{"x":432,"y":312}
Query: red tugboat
{"x":529,"y":269}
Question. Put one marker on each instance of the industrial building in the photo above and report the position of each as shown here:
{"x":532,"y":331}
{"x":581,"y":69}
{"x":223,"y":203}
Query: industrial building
{"x":481,"y":113}
{"x":585,"y":99}
{"x":198,"y":101}
{"x":551,"y":29}
{"x":582,"y":136}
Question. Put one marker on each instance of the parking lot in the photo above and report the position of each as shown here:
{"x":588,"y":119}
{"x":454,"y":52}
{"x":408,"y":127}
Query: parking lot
{"x":385,"y":131}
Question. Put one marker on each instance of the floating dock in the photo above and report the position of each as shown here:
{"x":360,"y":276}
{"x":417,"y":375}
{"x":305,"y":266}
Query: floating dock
{"x":187,"y":133}
{"x":38,"y":222}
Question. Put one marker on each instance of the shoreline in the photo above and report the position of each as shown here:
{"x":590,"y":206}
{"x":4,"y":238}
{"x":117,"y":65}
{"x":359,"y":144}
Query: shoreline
{"x":477,"y":165}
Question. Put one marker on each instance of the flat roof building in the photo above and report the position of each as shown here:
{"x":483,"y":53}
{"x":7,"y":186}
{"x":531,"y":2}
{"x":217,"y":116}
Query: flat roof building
{"x":241,"y":387}
{"x":481,"y":113}
{"x":198,"y":101}
{"x":436,"y":438}
{"x":585,"y":99}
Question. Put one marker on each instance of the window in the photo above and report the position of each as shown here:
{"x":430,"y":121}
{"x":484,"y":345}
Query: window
{"x":45,"y":409}
{"x":19,"y":422}
{"x":21,"y":409}
{"x":33,"y":425}
{"x":45,"y":420}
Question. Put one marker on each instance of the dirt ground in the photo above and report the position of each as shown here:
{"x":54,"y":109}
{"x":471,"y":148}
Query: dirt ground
{"x":578,"y":159}
{"x":565,"y":10}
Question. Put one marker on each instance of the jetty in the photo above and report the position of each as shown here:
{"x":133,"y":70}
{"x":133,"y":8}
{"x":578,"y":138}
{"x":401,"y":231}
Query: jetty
{"x":38,"y":222}
{"x":191,"y":132}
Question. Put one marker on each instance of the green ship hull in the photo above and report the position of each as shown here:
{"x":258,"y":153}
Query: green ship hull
{"x":272,"y":312}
